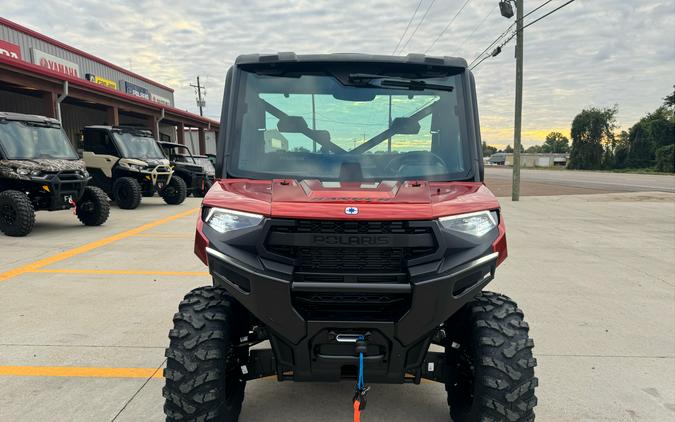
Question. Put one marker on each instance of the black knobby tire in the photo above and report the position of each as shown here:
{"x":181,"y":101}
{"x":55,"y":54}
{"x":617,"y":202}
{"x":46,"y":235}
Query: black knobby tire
{"x":93,"y":207}
{"x":17,"y":215}
{"x":203,"y":376}
{"x":175,"y":191}
{"x":201,"y":192}
{"x":490,"y":363}
{"x":127,"y":193}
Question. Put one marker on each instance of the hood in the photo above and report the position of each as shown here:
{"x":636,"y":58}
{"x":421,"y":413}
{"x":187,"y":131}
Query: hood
{"x":387,"y":200}
{"x":43,"y":164}
{"x":8,"y":167}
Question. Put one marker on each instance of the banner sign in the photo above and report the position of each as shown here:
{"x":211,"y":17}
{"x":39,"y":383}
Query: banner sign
{"x":136,"y":90}
{"x":159,"y":99}
{"x":55,"y":64}
{"x":101,"y":81}
{"x":10,"y":50}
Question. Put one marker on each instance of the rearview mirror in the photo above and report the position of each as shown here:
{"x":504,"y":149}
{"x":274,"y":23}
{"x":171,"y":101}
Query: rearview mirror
{"x":359,"y":94}
{"x":406,"y":126}
{"x":292,"y":124}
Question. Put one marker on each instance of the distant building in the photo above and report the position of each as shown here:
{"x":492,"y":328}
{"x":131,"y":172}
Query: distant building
{"x":40,"y":75}
{"x":530,"y":160}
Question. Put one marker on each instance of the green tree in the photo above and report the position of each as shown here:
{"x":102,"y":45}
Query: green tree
{"x":665,"y":159}
{"x":592,"y":132}
{"x":488,"y":150}
{"x":652,"y":132}
{"x":556,"y":142}
{"x":508,"y":149}
{"x":535,"y":149}
{"x":669,"y":100}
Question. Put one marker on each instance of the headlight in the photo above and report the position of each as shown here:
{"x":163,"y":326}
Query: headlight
{"x":475,"y":223}
{"x":36,"y":173}
{"x":223,"y":221}
{"x":85,"y":173}
{"x":137,"y":167}
{"x":22,"y":171}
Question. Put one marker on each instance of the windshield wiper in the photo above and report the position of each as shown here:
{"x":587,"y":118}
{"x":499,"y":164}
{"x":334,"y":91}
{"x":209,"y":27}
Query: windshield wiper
{"x":395,"y":82}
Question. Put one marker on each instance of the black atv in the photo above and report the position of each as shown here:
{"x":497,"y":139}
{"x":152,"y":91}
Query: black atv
{"x":40,"y":170}
{"x":128,"y":164}
{"x":196,"y":170}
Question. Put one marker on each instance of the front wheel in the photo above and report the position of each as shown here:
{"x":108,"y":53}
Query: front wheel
{"x":127,"y":193}
{"x":203,"y":375}
{"x":175,"y":191}
{"x":93,"y":208}
{"x":17,"y":215}
{"x":490,"y":364}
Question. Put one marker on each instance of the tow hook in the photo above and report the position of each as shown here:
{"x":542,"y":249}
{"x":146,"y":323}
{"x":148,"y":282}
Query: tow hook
{"x":72,"y":202}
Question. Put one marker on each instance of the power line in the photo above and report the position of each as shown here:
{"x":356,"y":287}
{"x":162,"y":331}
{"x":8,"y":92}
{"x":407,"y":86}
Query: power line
{"x":447,"y":26}
{"x":509,"y":28}
{"x":498,"y":50}
{"x":426,"y":12}
{"x":480,"y":24}
{"x":493,"y":42}
{"x":549,"y":13}
{"x":407,"y":26}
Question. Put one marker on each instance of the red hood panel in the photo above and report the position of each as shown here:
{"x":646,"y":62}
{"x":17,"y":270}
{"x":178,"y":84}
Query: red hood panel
{"x":389,"y":200}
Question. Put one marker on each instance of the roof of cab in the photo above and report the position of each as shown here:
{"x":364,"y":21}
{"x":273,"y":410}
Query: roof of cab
{"x":18,"y":117}
{"x":289,"y":57}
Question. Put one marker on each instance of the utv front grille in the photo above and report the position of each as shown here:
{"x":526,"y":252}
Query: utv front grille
{"x":350,"y":251}
{"x":362,"y":307}
{"x":68,"y":182}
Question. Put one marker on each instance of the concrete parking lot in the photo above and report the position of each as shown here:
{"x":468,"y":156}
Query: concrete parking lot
{"x":85,"y":313}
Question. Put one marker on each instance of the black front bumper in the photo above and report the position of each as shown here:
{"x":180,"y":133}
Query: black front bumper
{"x":303,"y":320}
{"x":55,"y":191}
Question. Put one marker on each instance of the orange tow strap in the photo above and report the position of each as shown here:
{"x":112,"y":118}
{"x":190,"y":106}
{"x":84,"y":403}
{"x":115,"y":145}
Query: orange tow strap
{"x":357,"y":412}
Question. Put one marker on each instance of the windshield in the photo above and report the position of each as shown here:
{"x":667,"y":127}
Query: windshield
{"x":135,"y":146}
{"x":206,"y":164}
{"x":31,"y":141}
{"x":314,"y":126}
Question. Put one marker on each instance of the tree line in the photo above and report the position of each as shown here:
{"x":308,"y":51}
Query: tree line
{"x":648,"y":144}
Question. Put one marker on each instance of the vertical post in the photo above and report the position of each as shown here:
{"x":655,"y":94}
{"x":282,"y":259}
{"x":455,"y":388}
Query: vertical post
{"x":313,"y":121}
{"x":515,"y":193}
{"x":181,"y":133}
{"x":113,"y":116}
{"x":202,"y":141}
{"x":199,"y":94}
{"x":49,"y":98}
{"x":152,"y":125}
{"x":389,"y":127}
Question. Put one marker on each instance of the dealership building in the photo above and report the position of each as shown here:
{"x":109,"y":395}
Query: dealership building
{"x":40,"y":75}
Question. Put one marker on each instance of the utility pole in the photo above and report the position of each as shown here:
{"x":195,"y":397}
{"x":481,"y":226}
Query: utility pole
{"x":200,"y":102}
{"x":517,"y":126}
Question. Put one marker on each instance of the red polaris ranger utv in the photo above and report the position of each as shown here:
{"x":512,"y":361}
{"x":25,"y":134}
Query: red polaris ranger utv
{"x":351,"y":234}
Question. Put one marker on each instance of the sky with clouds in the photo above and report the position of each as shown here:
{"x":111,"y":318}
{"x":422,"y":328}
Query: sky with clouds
{"x":590,"y":53}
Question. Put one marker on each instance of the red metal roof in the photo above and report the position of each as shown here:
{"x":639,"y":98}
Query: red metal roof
{"x":59,"y":44}
{"x":42,"y":71}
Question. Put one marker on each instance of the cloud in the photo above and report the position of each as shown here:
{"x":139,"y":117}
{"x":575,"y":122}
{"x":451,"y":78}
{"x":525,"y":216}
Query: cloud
{"x":591,"y":53}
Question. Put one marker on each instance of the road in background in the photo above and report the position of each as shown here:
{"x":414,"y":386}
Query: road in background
{"x":571,"y":182}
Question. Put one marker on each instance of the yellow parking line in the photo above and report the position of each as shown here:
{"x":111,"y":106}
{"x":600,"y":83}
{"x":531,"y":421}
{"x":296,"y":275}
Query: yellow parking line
{"x":167,"y":235}
{"x":74,"y":371}
{"x":122,"y":272}
{"x":90,"y":246}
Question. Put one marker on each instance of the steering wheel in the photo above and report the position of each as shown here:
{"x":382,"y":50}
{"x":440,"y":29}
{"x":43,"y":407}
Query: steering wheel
{"x":416,"y":158}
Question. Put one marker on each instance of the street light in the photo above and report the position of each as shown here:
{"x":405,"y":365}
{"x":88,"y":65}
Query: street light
{"x":506,"y":9}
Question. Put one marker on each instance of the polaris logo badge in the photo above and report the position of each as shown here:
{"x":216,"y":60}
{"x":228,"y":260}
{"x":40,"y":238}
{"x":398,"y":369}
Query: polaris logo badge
{"x":351,"y":210}
{"x":351,"y":240}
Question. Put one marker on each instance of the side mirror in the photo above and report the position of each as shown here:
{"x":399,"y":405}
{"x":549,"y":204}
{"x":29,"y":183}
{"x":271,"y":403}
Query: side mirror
{"x":406,"y":126}
{"x":292,"y":124}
